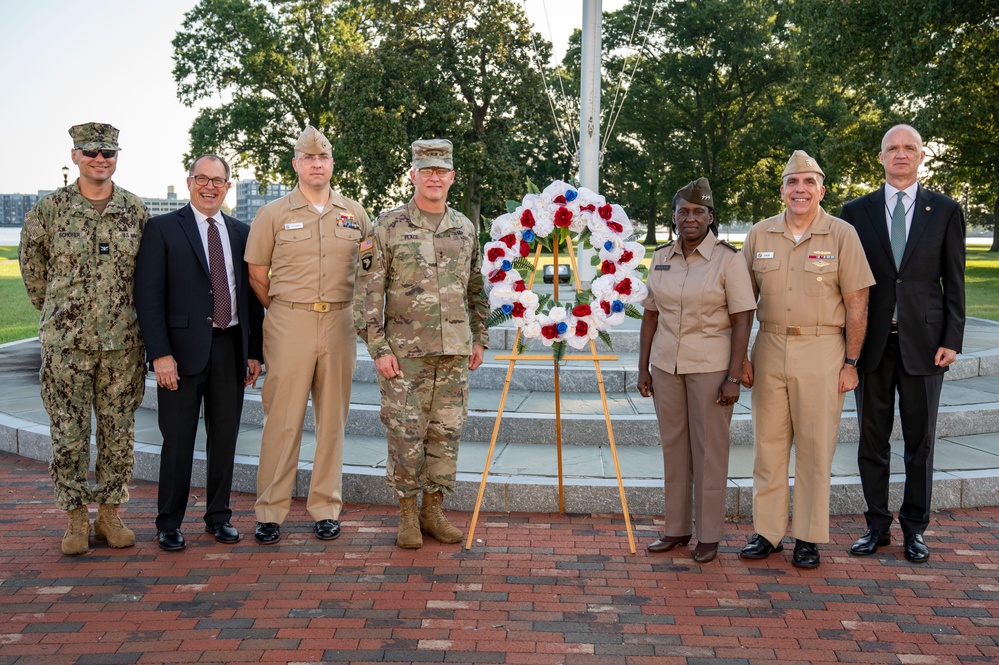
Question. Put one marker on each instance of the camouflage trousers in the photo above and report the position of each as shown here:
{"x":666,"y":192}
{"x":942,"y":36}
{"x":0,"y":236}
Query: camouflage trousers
{"x":424,"y":409}
{"x":110,"y":383}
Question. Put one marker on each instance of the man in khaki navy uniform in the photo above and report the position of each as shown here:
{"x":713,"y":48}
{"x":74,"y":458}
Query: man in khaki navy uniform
{"x":421,"y":309}
{"x":810,"y":273}
{"x":302,"y":254}
{"x":77,"y":255}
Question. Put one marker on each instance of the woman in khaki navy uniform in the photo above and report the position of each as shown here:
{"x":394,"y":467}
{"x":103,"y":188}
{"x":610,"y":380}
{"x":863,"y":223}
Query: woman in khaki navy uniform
{"x":302,"y":253}
{"x":694,"y":334}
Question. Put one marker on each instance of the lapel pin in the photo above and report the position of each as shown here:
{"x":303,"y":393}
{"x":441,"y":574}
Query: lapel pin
{"x":927,"y":208}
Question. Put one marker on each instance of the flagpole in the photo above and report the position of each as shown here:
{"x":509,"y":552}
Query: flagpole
{"x":589,"y":118}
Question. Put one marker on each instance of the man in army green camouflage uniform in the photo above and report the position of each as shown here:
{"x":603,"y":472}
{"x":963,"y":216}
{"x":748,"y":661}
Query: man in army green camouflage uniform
{"x":420,"y":306}
{"x":77,"y":256}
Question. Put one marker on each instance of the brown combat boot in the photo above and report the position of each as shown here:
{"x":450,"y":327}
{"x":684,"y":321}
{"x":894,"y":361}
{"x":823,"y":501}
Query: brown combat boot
{"x":108,"y":526}
{"x":433,"y":522}
{"x":77,"y":538}
{"x":409,"y":537}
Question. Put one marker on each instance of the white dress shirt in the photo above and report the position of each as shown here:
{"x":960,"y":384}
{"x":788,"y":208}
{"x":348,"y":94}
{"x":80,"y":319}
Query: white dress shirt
{"x":230,"y":272}
{"x":908,"y":200}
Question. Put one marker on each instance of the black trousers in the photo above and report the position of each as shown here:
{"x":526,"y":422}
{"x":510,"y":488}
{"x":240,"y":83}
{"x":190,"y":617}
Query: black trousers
{"x":220,"y":386}
{"x":918,"y":403}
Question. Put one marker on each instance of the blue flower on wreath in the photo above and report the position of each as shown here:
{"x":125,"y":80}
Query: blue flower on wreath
{"x":570,"y":195}
{"x":528,"y":235}
{"x":562,"y":327}
{"x":609,"y":246}
{"x":617,"y":306}
{"x":506,"y":265}
{"x":507,"y":308}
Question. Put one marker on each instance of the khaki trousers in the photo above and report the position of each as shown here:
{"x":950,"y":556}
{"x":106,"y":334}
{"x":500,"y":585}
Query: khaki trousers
{"x":795,"y":399}
{"x":694,"y":431}
{"x":305,"y":352}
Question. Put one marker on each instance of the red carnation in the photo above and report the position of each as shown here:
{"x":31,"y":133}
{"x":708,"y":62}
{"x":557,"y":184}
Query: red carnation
{"x":581,"y":310}
{"x":605,"y":211}
{"x":497,"y":276}
{"x":509,"y":239}
{"x":527,"y":219}
{"x":495,"y":253}
{"x":624,"y":287}
{"x":607,"y":268}
{"x":518,"y":310}
{"x":563,"y":217}
{"x":581,"y":328}
{"x":616,"y":227}
{"x":519,"y":286}
{"x":550,"y":331}
{"x":627,"y":256}
{"x":604,"y":305}
{"x":525,"y":248}
{"x":589,"y":207}
{"x":559,"y":199}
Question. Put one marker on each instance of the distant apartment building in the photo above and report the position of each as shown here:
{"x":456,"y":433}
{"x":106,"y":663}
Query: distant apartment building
{"x":13,"y":207}
{"x":163,"y":206}
{"x":249,"y":199}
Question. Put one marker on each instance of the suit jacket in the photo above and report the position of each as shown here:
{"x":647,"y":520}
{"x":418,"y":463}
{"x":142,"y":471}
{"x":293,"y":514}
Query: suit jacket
{"x":928,"y":287}
{"x":173,"y":291}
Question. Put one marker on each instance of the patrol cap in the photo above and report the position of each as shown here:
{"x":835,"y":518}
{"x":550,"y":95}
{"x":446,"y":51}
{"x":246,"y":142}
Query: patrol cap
{"x":313,"y":142}
{"x":94,"y":136}
{"x":433,"y":152}
{"x":698,"y":192}
{"x":800,"y":162}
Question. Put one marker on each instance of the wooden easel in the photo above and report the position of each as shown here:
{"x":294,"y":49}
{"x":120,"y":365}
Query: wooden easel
{"x":513,"y":358}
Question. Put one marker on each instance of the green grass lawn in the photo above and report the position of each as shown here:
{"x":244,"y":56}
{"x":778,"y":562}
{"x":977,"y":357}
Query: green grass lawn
{"x":19,"y":320}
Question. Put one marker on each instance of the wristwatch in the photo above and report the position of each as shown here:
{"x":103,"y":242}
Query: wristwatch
{"x":852,"y":361}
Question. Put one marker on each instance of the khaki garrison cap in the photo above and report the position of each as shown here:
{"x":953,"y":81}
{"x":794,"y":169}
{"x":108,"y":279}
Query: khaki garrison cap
{"x":433,"y":152}
{"x":313,"y":142}
{"x":800,"y":162}
{"x":698,"y":192}
{"x":94,"y":136}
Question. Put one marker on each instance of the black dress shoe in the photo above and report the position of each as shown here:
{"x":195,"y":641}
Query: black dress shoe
{"x":806,"y":554}
{"x":759,"y":548}
{"x":705,"y":552}
{"x":916,"y":550}
{"x":869,"y":543}
{"x":171,"y":540}
{"x":224,"y":532}
{"x":267,"y":533}
{"x":327,"y":529}
{"x":666,"y":543}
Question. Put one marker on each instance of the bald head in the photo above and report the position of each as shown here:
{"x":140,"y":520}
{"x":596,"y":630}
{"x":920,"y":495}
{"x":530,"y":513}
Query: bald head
{"x":901,"y":155}
{"x":913,"y":134}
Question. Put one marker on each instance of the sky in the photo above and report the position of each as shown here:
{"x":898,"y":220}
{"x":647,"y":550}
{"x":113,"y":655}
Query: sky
{"x":66,"y":62}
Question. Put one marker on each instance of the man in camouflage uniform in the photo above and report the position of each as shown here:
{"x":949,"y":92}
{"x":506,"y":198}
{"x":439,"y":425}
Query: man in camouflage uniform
{"x":77,"y":256}
{"x":421,"y":309}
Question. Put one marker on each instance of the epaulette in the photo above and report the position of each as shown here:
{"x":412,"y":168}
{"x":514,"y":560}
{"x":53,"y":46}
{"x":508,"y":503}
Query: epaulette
{"x":665,"y":244}
{"x":727,"y":244}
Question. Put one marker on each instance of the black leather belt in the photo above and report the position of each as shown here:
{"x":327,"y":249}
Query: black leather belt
{"x":218,"y":332}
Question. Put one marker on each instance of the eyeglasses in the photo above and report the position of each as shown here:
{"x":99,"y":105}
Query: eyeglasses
{"x":106,"y":154}
{"x":323,"y":158}
{"x":202,"y":180}
{"x":438,"y":171}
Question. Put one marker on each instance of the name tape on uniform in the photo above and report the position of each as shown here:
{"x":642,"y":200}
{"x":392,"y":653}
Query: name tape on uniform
{"x":294,"y":225}
{"x":764,"y":255}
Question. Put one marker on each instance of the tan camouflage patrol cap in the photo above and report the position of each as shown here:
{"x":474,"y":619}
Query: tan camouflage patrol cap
{"x":698,"y":192}
{"x":313,"y":142}
{"x":433,"y":152}
{"x":94,"y":136}
{"x":800,"y":162}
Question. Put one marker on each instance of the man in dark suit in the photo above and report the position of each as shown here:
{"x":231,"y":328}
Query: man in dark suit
{"x":915,"y":245}
{"x":201,"y":324}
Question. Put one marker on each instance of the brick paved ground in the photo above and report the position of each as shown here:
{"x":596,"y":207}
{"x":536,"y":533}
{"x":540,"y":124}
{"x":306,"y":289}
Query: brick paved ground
{"x":537,"y":589}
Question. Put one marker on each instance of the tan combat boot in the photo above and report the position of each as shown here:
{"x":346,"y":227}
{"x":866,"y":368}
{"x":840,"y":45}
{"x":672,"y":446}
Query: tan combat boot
{"x":409,"y":537}
{"x":77,"y":538}
{"x":108,"y":526}
{"x":433,"y":522}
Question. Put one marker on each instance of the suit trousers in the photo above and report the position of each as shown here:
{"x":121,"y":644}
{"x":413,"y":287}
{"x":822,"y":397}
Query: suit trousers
{"x":918,"y":403}
{"x":306,"y":352}
{"x":694,"y":431}
{"x":220,"y":387}
{"x":795,"y":399}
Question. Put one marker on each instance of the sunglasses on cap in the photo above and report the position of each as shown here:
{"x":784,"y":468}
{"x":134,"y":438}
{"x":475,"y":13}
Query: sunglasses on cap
{"x":106,"y":154}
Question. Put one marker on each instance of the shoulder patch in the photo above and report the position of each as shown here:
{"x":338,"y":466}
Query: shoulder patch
{"x":726,"y":243}
{"x":665,"y":244}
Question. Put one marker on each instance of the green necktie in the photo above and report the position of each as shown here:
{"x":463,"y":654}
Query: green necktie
{"x":898,"y":231}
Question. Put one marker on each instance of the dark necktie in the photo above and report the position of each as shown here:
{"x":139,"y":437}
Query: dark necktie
{"x":898,"y":231}
{"x":220,"y":281}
